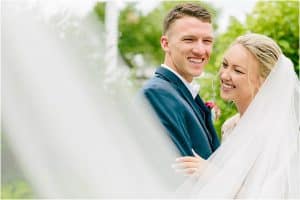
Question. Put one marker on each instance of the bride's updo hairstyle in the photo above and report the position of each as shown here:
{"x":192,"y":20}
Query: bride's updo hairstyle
{"x":263,"y":48}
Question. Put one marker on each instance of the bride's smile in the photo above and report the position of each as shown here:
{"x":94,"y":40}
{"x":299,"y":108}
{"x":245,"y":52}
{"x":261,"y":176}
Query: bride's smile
{"x":239,"y":76}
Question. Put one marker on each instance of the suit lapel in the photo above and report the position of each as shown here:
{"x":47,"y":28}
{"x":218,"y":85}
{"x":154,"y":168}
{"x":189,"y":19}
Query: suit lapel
{"x":197,"y":105}
{"x":199,"y":111}
{"x":207,"y":114}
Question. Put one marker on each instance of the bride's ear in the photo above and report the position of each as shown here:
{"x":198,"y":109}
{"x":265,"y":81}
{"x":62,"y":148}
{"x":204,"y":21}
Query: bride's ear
{"x":261,"y":80}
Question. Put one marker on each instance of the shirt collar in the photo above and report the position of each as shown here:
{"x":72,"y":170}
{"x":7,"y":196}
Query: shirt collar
{"x":193,"y":87}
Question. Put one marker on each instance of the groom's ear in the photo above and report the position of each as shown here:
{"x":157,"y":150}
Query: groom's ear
{"x":164,"y":43}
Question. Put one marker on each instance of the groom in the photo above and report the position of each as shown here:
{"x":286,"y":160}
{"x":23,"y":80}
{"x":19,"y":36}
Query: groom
{"x":187,"y":41}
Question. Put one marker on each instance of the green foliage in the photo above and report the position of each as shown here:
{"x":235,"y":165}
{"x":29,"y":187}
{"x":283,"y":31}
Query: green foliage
{"x":276,"y":19}
{"x":280,"y":21}
{"x":16,"y":190}
{"x":140,"y":35}
{"x":100,"y":10}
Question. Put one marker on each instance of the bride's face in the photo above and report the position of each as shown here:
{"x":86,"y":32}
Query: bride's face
{"x":239,"y":75}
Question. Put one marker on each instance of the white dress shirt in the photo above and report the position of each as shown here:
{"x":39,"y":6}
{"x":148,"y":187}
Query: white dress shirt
{"x":193,"y":87}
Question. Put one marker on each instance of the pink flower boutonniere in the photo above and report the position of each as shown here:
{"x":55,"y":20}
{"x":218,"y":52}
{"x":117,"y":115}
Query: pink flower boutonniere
{"x":210,"y":104}
{"x":215,"y":110}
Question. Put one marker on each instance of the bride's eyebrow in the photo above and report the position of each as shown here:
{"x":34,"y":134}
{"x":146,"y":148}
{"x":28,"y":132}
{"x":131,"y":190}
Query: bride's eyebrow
{"x":225,"y":61}
{"x":239,"y":66}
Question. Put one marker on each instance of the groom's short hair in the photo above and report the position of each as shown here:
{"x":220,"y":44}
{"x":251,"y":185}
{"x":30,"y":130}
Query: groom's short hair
{"x":186,"y":9}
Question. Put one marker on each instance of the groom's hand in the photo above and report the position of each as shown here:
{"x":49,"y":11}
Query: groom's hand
{"x":189,"y":165}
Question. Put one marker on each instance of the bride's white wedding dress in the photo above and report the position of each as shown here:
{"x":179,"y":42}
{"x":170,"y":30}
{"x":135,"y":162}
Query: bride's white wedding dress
{"x":260,"y":156}
{"x":229,"y":125}
{"x":74,"y":140}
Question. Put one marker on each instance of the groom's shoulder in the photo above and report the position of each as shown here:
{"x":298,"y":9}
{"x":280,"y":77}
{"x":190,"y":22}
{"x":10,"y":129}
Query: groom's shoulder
{"x":162,"y":95}
{"x":156,"y":82}
{"x":158,"y":85}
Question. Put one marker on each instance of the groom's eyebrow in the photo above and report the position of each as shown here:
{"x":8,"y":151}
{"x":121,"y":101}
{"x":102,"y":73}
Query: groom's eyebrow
{"x":209,"y":37}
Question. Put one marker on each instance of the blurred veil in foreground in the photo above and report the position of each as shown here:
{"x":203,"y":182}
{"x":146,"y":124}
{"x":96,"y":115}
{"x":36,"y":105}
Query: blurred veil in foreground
{"x":71,"y":137}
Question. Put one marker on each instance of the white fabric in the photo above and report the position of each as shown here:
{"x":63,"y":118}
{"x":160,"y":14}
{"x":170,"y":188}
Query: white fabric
{"x":260,"y":158}
{"x":193,"y":87}
{"x":70,"y":137}
{"x":229,"y":125}
{"x":73,"y":140}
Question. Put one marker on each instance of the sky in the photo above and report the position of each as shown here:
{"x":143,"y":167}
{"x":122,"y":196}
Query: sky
{"x":237,"y":8}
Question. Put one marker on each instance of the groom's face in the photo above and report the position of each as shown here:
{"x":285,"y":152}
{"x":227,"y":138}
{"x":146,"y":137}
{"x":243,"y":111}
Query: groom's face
{"x":188,"y":44}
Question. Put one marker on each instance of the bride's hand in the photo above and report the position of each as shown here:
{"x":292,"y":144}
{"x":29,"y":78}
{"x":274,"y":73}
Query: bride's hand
{"x":189,"y":164}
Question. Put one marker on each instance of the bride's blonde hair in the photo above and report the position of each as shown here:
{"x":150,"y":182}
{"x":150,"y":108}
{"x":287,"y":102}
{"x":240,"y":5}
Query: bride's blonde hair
{"x":265,"y":50}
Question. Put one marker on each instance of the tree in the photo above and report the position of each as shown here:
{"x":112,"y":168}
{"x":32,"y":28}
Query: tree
{"x":140,"y":35}
{"x":280,"y":21}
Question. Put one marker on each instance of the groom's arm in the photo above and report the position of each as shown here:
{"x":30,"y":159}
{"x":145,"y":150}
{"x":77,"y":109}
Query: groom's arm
{"x":168,"y":109}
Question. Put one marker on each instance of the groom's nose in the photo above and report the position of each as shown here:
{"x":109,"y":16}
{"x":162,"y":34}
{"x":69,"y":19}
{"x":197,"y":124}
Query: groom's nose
{"x":199,"y":48}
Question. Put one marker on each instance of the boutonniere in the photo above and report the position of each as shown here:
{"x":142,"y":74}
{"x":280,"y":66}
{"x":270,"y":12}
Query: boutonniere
{"x":215,"y":110}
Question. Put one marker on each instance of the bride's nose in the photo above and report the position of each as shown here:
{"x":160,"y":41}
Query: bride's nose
{"x":224,"y":75}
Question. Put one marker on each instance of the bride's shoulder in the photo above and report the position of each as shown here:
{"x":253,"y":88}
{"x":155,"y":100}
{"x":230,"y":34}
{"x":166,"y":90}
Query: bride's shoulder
{"x":229,"y":125}
{"x":231,"y":120}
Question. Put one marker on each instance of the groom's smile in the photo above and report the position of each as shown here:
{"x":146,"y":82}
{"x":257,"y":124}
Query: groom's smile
{"x":188,"y":45}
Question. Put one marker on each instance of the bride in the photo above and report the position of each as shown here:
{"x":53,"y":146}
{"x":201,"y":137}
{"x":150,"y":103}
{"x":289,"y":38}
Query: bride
{"x":74,"y":140}
{"x":259,"y":155}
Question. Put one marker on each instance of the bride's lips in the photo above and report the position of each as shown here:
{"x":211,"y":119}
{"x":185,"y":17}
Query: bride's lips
{"x":226,"y":86}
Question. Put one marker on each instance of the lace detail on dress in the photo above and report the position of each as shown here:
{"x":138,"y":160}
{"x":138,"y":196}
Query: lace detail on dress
{"x":229,"y":125}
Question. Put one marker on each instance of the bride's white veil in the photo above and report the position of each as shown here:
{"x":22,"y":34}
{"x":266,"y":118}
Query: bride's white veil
{"x":261,"y":156}
{"x":72,"y":138}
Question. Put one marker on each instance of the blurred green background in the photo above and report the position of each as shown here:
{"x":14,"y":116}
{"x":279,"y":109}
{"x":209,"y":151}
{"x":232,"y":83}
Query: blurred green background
{"x":139,"y":36}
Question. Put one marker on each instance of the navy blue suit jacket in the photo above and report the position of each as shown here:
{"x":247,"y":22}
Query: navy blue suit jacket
{"x":187,"y":120}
